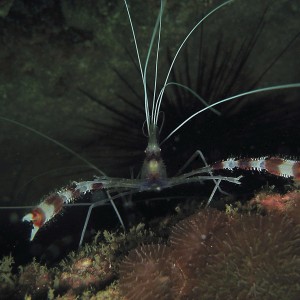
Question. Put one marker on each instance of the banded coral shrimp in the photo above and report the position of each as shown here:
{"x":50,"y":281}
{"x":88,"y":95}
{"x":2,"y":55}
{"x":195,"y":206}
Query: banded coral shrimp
{"x":56,"y":185}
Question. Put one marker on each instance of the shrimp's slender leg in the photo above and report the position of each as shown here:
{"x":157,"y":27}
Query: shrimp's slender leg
{"x":98,"y":203}
{"x":190,"y":177}
{"x":213,"y":191}
{"x":199,"y":153}
{"x":115,"y":209}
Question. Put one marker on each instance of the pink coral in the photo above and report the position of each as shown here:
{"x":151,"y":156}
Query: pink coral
{"x":83,"y":272}
{"x":288,"y":204}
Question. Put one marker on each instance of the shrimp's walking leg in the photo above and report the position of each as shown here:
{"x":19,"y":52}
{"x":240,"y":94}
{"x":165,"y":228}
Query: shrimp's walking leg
{"x":98,"y":203}
{"x":199,"y":153}
{"x":213,"y":191}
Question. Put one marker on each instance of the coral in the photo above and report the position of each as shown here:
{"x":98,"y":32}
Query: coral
{"x":111,"y":293}
{"x":159,"y":271}
{"x":257,"y":258}
{"x":287,"y":204}
{"x":146,"y":273}
{"x":214,"y":255}
{"x":93,"y":267}
{"x":70,"y":295}
{"x":209,"y":255}
{"x":34,"y":279}
{"x":7,"y":279}
{"x":82,"y":272}
{"x":192,"y":239}
{"x":121,"y":243}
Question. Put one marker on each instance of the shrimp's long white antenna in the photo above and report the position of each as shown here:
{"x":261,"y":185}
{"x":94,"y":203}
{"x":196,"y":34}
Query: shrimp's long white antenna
{"x":157,"y":28}
{"x":156,"y":61}
{"x":159,"y":99}
{"x":195,"y":95}
{"x":256,"y":91}
{"x":144,"y":72}
{"x":55,"y":142}
{"x":140,"y":64}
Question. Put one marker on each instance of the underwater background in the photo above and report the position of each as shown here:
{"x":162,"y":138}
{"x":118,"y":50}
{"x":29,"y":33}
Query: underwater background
{"x":69,"y":70}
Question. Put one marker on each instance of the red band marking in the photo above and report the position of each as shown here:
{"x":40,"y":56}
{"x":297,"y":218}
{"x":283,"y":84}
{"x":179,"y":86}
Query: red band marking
{"x":75,"y":192}
{"x":218,"y":166}
{"x":56,"y":201}
{"x":272,"y":165}
{"x":97,"y":186}
{"x":245,"y":163}
{"x":296,"y":170}
{"x":38,"y":217}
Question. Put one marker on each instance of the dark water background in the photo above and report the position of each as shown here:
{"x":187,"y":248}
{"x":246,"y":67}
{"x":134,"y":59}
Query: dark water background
{"x":51,"y":51}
